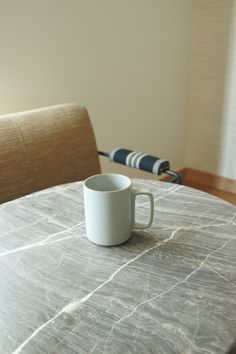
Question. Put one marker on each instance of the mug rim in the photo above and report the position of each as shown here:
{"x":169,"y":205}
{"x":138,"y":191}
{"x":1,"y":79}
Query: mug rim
{"x":107,"y":174}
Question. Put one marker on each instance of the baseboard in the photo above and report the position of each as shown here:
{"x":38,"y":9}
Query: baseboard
{"x":190,"y":175}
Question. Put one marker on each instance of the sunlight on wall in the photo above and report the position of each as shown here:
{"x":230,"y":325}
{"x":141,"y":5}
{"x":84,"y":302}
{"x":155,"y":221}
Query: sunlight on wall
{"x":227,"y":164}
{"x":211,"y":133}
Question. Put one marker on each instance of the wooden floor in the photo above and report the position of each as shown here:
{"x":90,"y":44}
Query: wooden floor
{"x":230,"y":197}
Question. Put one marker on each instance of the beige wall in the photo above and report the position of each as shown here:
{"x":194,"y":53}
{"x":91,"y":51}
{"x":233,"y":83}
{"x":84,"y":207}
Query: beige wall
{"x":211,"y":139}
{"x":126,"y":60}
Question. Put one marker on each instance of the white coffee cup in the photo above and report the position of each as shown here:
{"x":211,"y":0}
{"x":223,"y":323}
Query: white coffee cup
{"x":109,"y":202}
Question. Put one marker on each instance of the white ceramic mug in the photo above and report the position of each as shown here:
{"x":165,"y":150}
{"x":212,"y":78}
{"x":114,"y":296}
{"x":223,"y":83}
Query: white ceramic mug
{"x":109,"y":202}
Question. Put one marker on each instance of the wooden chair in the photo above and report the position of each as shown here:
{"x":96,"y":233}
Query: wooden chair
{"x":55,"y":145}
{"x":45,"y":147}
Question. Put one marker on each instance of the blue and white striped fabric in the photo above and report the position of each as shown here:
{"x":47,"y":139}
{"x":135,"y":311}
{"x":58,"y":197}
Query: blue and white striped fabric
{"x":139,"y":160}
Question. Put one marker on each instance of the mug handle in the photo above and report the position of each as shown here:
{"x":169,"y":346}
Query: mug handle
{"x":134,"y":193}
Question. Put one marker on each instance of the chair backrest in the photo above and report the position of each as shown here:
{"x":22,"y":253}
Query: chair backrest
{"x":45,"y":147}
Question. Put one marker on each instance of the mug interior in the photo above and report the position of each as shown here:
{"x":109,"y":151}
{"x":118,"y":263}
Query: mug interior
{"x":107,"y":182}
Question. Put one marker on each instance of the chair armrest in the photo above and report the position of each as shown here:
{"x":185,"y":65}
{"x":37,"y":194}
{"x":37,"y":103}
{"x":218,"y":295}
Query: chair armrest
{"x":142,"y":162}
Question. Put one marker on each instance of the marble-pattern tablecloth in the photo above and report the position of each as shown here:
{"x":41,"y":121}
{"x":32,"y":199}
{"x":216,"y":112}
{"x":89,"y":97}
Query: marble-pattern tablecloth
{"x":169,"y":289}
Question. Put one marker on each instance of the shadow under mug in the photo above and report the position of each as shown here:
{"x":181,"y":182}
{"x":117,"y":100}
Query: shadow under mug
{"x":109,"y":202}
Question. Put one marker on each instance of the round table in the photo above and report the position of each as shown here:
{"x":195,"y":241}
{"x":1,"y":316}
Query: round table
{"x":169,"y":289}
